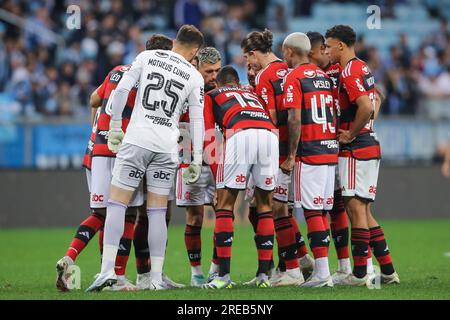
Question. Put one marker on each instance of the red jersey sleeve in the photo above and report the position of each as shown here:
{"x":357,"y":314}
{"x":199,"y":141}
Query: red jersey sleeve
{"x":354,"y":84}
{"x":266,"y":92}
{"x":293,"y":95}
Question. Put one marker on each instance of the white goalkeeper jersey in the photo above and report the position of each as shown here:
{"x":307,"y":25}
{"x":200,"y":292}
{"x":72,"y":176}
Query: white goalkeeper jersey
{"x":166,"y":82}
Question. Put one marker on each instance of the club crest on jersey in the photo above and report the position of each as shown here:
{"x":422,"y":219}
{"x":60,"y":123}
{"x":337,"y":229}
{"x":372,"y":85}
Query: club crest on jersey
{"x":281,"y":73}
{"x":161,"y":54}
{"x":365,"y":69}
{"x":309,"y":73}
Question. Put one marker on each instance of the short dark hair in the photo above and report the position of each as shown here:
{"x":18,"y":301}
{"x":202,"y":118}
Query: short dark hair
{"x":227,"y":74}
{"x":258,"y":40}
{"x":189,"y":35}
{"x":159,"y":42}
{"x":343,"y":33}
{"x":316,"y":38}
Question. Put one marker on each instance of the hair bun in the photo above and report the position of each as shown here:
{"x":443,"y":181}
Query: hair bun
{"x":268,"y":37}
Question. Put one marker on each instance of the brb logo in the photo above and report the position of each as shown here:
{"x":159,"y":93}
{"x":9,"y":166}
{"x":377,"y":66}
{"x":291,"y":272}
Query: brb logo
{"x":161,"y":175}
{"x":137,"y":174}
{"x":97,"y":198}
{"x":241,"y":178}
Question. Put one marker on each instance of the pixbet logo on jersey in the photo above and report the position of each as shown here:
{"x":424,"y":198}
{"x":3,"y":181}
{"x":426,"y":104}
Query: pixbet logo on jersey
{"x":161,"y":175}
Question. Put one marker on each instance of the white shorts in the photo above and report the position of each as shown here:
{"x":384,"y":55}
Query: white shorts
{"x":100,"y":184}
{"x":133,"y":163}
{"x":359,"y":177}
{"x":251,"y":151}
{"x":284,"y":190}
{"x":314,"y":186}
{"x":200,"y":193}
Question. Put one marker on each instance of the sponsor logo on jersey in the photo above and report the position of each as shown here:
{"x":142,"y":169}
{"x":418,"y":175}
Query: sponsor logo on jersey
{"x":309,"y":73}
{"x":281,"y":73}
{"x":137,"y":174}
{"x":97,"y":197}
{"x":289,"y":93}
{"x":269,"y":181}
{"x":162,"y":175}
{"x":241,"y":178}
{"x":159,"y":121}
{"x":161,"y":54}
{"x":373,"y":189}
{"x":365,"y":69}
{"x":187,"y":195}
{"x":321,"y":84}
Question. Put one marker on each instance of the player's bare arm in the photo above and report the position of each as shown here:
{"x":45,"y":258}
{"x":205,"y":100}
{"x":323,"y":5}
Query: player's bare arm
{"x":95,"y":101}
{"x":379,"y":99}
{"x":362,"y":117}
{"x":294,"y":127}
{"x":446,"y":165}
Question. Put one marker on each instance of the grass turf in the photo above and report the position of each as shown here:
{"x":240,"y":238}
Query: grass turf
{"x":419,"y":247}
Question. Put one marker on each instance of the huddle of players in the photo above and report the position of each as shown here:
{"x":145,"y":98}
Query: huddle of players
{"x":248,"y":118}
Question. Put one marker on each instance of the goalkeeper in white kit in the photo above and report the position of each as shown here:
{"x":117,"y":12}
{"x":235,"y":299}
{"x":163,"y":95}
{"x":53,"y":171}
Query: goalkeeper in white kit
{"x":149,"y":148}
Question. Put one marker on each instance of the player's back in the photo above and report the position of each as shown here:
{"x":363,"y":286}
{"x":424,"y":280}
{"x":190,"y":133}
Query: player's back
{"x":235,"y":108}
{"x":167,"y":81}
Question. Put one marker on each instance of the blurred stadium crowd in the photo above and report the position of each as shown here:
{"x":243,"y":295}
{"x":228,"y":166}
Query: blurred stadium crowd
{"x":48,"y":70}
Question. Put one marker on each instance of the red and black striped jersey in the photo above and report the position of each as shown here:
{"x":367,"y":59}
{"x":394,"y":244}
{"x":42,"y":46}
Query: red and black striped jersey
{"x":355,"y":81}
{"x":235,"y":108}
{"x":269,"y":86}
{"x":308,"y":88}
{"x":101,"y":124}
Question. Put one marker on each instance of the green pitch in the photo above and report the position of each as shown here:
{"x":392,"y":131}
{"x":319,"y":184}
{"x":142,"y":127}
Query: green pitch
{"x":420,"y":249}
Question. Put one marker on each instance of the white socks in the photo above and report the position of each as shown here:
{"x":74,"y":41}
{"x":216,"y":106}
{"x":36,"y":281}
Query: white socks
{"x":322,"y":270}
{"x":370,"y":269}
{"x":344,"y":265}
{"x":114,"y":225}
{"x":294,"y":273}
{"x":157,"y":239}
{"x":196,"y":270}
{"x":214,"y":268}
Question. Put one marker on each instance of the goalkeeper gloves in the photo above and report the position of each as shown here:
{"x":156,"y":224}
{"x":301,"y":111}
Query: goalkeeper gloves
{"x":192,"y":173}
{"x":115,"y":135}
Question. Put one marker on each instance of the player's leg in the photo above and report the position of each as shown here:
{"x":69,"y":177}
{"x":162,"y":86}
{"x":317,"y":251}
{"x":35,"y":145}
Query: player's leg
{"x":305,"y":261}
{"x":140,"y":243}
{"x":264,"y":172}
{"x":351,"y":176}
{"x":98,"y":190}
{"x":160,"y":174}
{"x":314,"y":181}
{"x":129,"y":169}
{"x":231,"y":178}
{"x":339,"y":232}
{"x":285,"y":235}
{"x":381,"y":250}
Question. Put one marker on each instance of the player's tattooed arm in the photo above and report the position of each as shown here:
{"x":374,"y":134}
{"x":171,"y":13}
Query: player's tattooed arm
{"x":294,"y":127}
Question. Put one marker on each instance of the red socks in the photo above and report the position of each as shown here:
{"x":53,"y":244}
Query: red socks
{"x":86,"y":231}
